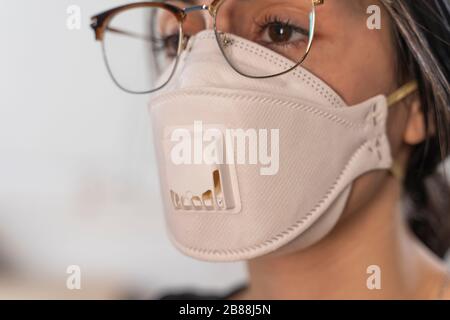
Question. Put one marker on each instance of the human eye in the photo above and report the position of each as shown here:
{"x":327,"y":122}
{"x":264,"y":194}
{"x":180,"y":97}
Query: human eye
{"x":277,"y":32}
{"x":166,"y":44}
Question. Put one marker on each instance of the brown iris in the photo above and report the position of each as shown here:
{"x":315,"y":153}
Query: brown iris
{"x":280,"y":32}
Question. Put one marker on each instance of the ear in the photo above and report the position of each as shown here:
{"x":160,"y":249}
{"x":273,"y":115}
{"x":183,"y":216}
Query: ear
{"x":415,"y":131}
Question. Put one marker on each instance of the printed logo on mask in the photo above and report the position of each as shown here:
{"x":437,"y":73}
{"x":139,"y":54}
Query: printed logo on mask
{"x":201,"y":164}
{"x":210,"y":200}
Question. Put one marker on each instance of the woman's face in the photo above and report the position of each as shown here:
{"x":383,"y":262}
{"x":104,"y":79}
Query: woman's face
{"x":357,"y":62}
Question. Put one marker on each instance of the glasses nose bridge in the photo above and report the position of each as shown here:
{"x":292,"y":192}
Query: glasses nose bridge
{"x":211,"y":8}
{"x":197,"y":8}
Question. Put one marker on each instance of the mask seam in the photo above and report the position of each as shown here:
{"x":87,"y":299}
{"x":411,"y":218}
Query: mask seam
{"x":288,"y":231}
{"x":278,"y":102}
{"x":327,"y":93}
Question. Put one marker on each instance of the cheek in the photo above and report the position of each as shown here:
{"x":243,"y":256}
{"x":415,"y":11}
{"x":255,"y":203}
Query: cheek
{"x":356,"y":62}
{"x":357,"y":73}
{"x":364,"y":191}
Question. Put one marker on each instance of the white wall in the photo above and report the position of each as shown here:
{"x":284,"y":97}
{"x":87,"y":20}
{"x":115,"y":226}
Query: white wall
{"x":78,"y":181}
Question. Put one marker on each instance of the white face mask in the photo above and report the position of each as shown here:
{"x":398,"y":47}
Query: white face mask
{"x":230,"y":212}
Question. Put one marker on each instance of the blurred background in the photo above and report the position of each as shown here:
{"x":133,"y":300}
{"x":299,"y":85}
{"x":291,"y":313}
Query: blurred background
{"x":78,"y":181}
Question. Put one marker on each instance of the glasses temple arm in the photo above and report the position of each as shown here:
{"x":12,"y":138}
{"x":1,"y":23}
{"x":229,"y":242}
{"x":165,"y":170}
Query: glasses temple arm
{"x":130,"y":34}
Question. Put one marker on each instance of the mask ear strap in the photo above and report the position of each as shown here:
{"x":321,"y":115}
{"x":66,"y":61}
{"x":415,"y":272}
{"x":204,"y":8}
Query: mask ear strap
{"x":402,"y":93}
{"x":397,"y":171}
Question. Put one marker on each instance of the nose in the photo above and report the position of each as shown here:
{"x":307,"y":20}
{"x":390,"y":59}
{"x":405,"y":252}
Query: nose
{"x":209,"y":21}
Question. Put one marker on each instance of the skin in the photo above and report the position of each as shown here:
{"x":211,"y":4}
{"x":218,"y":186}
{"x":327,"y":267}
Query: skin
{"x":358,"y":63}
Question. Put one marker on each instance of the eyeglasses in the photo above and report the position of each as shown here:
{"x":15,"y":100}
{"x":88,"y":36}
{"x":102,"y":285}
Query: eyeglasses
{"x":142,"y":42}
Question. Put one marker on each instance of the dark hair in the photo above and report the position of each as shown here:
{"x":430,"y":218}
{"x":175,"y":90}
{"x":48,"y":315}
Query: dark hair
{"x":422,"y":33}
